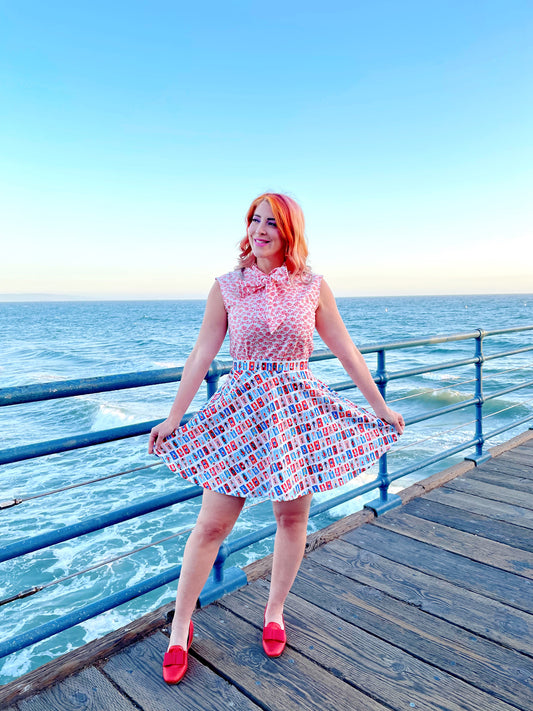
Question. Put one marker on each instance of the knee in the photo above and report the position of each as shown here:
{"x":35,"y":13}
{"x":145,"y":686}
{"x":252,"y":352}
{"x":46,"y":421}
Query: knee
{"x":212,"y":531}
{"x":291,"y":521}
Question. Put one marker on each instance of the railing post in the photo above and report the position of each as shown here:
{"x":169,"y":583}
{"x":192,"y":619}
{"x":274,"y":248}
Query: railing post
{"x":480,"y":456}
{"x":212,"y":378}
{"x":221,"y":581}
{"x":386,"y":500}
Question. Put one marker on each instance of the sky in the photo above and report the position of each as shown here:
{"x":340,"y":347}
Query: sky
{"x":134,"y":135}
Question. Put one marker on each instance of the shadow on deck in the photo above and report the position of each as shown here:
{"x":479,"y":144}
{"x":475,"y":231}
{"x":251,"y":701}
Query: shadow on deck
{"x":428,"y":607}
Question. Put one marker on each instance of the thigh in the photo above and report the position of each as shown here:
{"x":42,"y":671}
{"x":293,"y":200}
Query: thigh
{"x":220,"y":509}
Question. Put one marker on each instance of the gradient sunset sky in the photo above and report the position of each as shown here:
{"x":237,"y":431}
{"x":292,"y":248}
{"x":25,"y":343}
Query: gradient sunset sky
{"x":134,"y":135}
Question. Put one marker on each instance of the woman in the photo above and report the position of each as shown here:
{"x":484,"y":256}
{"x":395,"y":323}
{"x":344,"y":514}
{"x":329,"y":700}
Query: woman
{"x":272,"y":430}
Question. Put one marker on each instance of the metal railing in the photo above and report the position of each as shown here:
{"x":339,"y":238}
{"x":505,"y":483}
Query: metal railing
{"x":223,"y":579}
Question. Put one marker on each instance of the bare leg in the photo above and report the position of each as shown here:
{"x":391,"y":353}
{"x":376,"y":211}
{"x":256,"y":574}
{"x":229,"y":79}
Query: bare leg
{"x":215,"y":521}
{"x":289,"y":548}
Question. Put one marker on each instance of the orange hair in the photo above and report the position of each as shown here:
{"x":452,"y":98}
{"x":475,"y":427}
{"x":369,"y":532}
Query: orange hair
{"x":291,"y":225}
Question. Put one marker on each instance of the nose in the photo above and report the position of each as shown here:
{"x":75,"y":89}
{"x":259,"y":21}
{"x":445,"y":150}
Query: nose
{"x":262,"y":227}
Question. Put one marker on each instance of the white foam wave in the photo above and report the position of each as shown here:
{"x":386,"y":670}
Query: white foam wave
{"x":101,"y":625}
{"x":108,"y":416}
{"x":17,"y":664}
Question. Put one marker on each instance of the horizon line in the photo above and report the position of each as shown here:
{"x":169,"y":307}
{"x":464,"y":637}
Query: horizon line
{"x":39,"y":298}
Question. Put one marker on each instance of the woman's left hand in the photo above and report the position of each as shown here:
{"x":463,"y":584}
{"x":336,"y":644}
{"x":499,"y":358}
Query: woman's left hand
{"x":392,"y":418}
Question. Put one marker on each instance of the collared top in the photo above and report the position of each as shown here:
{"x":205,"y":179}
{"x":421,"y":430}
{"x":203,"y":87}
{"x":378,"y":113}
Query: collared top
{"x":270,"y":316}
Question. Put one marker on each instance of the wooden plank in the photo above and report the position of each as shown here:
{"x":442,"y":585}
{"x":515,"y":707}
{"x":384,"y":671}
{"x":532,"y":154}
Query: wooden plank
{"x":87,"y":691}
{"x":517,"y":483}
{"x":506,"y":463}
{"x":495,"y":510}
{"x":518,"y":457}
{"x":487,"y":665}
{"x":262,"y":567}
{"x":378,"y":668}
{"x":506,"y":470}
{"x":502,"y":493}
{"x":480,"y":525}
{"x":490,"y":618}
{"x":524,"y":438}
{"x":523,"y":451}
{"x":484,"y":579}
{"x":514,"y":560}
{"x":292,"y":682}
{"x":62,"y":667}
{"x":526,"y":447}
{"x":137,"y":670}
{"x":508,"y":460}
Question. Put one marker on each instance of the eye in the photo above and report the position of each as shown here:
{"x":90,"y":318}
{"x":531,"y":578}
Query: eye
{"x":255,"y":219}
{"x":271,"y":223}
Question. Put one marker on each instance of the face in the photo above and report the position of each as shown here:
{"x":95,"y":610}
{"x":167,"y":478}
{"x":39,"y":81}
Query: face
{"x":264,"y":236}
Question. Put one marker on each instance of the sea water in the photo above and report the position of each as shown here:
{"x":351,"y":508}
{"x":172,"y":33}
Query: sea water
{"x":57,"y":341}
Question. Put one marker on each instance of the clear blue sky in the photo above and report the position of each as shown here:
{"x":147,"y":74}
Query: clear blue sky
{"x":133,"y":136}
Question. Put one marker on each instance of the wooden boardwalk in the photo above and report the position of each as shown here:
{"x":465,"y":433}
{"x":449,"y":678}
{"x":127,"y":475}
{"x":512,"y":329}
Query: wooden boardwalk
{"x":428,"y":607}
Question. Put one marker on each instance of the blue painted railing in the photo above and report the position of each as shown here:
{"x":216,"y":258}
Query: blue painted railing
{"x":222,"y":579}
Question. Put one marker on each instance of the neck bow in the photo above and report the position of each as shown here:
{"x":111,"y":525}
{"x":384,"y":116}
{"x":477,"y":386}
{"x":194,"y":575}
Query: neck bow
{"x":274,"y":284}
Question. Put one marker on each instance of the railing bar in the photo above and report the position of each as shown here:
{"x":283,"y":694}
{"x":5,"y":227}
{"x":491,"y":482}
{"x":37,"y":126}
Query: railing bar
{"x":106,"y":383}
{"x":450,"y":365}
{"x":511,"y":426}
{"x":503,"y":354}
{"x":431,"y":390}
{"x":426,"y":439}
{"x":53,"y":390}
{"x":91,"y":481}
{"x":504,"y":372}
{"x":66,"y":444}
{"x":48,"y":629}
{"x":505,"y":391}
{"x":510,"y":407}
{"x":107,"y":561}
{"x":97,"y":523}
{"x":433,"y":460}
{"x":441,"y":411}
{"x":511,"y":329}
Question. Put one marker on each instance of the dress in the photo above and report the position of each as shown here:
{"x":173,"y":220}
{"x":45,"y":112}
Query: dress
{"x":274,"y":430}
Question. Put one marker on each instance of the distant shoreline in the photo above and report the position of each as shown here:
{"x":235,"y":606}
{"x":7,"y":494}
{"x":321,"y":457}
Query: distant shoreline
{"x":60,"y":298}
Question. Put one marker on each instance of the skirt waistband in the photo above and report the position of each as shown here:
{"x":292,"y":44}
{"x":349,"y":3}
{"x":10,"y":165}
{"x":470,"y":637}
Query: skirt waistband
{"x":273,"y":366}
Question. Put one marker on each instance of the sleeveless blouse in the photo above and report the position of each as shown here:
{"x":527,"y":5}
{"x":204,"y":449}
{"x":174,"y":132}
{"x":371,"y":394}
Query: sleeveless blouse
{"x":270,"y":316}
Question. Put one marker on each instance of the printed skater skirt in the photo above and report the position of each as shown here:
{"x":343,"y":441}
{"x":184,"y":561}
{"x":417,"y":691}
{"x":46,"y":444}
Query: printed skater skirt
{"x":273,"y":430}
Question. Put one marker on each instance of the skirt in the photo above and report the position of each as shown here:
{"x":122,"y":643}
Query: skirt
{"x":274,"y":430}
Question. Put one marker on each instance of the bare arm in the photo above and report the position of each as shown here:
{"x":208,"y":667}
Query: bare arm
{"x":332,"y":330}
{"x":212,"y":333}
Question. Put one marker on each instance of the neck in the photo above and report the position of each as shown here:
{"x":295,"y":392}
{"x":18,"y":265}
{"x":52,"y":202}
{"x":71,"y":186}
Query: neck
{"x":267,"y":264}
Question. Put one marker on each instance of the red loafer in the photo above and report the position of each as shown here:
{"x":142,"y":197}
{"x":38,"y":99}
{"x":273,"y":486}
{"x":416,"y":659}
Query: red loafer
{"x":175,"y":660}
{"x":274,"y":639}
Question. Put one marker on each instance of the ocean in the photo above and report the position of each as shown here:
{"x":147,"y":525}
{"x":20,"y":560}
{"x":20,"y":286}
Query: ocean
{"x":56,"y":341}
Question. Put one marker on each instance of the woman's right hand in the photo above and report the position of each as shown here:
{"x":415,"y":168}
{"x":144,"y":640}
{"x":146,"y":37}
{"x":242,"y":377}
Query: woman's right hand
{"x":158,"y":434}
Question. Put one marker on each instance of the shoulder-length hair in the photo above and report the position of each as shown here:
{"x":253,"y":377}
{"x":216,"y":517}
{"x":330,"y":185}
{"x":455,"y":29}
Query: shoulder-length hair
{"x":291,"y":225}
